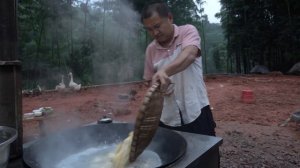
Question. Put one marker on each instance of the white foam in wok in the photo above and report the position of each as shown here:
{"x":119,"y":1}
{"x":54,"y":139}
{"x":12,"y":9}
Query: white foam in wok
{"x":100,"y":157}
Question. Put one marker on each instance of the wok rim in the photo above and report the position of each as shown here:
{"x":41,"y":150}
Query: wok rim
{"x":13,"y":135}
{"x":33,"y":163}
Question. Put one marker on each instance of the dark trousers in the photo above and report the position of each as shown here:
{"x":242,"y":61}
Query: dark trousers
{"x":204,"y":124}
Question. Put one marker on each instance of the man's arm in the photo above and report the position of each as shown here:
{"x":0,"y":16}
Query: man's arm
{"x":185,"y":59}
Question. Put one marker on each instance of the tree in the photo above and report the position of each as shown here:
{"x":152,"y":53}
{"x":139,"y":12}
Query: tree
{"x":96,"y":40}
{"x":261,"y":32}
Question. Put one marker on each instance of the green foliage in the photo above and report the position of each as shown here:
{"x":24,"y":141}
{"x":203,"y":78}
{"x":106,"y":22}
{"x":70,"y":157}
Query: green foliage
{"x":59,"y":36}
{"x":262,"y":32}
{"x":98,"y":41}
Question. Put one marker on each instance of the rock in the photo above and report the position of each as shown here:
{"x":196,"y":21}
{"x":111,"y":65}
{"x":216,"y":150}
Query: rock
{"x":295,"y":70}
{"x":260,"y":69}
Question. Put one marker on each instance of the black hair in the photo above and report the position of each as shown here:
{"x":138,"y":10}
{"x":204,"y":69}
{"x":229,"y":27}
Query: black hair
{"x":160,"y":7}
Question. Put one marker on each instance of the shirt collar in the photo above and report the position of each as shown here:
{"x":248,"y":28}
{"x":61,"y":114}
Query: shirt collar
{"x":176,"y":33}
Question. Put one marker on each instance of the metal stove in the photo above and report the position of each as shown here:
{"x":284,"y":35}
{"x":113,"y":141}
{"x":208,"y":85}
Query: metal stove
{"x":202,"y":151}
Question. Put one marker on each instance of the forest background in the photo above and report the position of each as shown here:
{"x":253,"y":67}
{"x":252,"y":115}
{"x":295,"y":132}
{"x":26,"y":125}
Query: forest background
{"x":104,"y":41}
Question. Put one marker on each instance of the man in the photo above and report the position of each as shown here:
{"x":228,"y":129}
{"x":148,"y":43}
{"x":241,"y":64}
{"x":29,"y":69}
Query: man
{"x":173,"y":59}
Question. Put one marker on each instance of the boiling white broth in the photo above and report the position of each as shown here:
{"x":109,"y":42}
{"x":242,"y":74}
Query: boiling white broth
{"x":100,"y":157}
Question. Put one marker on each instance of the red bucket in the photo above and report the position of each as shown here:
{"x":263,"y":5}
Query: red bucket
{"x":247,"y":96}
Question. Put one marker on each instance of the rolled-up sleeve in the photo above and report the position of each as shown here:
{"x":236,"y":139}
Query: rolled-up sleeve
{"x":191,"y":37}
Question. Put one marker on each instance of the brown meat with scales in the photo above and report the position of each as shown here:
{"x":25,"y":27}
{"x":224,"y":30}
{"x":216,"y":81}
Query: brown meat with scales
{"x":147,"y":121}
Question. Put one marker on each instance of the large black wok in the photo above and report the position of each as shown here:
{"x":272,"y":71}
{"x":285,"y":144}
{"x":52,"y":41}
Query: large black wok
{"x":48,"y":151}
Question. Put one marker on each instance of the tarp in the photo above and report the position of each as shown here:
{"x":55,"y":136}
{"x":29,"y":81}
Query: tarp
{"x":295,"y":69}
{"x":259,"y":69}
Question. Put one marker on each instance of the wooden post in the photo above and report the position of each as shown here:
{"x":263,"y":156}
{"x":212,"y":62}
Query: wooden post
{"x":10,"y":75}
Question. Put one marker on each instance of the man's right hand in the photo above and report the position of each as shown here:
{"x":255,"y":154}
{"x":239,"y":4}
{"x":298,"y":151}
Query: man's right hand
{"x":164,"y":80}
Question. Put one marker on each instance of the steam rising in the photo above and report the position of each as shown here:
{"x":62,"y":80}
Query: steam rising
{"x":89,"y":146}
{"x":99,"y":41}
{"x":119,"y":55}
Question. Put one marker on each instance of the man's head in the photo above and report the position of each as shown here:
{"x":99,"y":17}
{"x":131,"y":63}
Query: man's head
{"x":158,"y":21}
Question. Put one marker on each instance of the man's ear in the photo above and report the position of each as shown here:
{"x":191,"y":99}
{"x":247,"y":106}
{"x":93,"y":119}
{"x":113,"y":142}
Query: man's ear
{"x":170,"y":17}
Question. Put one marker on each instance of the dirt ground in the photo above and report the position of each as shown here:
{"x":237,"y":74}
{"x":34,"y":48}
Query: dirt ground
{"x":251,"y":133}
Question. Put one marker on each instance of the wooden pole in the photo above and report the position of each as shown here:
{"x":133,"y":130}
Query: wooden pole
{"x":10,"y":75}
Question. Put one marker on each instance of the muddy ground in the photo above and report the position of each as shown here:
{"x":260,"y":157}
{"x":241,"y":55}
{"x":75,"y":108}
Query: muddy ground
{"x":251,"y":133}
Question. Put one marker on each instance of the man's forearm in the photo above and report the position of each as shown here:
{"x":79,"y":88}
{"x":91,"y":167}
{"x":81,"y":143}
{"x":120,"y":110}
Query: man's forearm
{"x":185,"y":59}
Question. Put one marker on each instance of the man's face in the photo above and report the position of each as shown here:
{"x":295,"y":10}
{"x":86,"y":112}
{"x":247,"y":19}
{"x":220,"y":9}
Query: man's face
{"x":160,"y":28}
